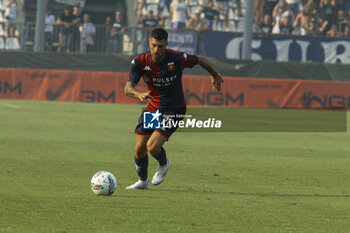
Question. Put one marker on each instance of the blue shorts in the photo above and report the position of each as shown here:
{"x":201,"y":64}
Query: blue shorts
{"x":175,"y":116}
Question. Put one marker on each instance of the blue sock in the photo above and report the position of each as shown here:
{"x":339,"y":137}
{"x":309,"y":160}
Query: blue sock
{"x":141,"y":167}
{"x":161,"y":158}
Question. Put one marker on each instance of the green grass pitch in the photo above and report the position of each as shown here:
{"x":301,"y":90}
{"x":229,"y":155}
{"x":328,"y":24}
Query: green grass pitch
{"x":218,"y":182}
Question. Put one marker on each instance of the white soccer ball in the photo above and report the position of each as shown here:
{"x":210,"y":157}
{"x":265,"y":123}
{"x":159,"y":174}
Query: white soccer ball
{"x":103,"y":183}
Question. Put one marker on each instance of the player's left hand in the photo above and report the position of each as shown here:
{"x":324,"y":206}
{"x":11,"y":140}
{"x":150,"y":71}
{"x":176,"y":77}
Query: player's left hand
{"x":216,"y":81}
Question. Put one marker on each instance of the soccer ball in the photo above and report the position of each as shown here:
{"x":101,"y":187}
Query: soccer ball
{"x":103,"y":183}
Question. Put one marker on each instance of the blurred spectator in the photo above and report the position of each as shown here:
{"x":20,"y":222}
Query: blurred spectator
{"x":342,"y":21}
{"x":315,"y":18}
{"x":115,"y":44}
{"x":11,"y":18}
{"x":77,"y":20}
{"x":196,"y":23}
{"x":286,"y":22}
{"x":87,"y":33}
{"x":49,"y":22}
{"x":222,"y":22}
{"x":347,"y":6}
{"x":178,"y":14}
{"x":148,"y":24}
{"x":161,"y":19}
{"x":302,"y":20}
{"x":138,"y":6}
{"x":266,"y":25}
{"x":333,"y":32}
{"x":328,"y":15}
{"x":346,"y":33}
{"x":258,"y":12}
{"x":313,"y":28}
{"x":278,"y":11}
{"x":239,"y":8}
{"x":280,"y":7}
{"x":162,"y":4}
{"x":311,"y":5}
{"x":294,"y":7}
{"x":210,"y":14}
{"x":267,"y":12}
{"x":337,"y":5}
{"x":65,"y":34}
{"x":304,"y":2}
{"x":328,"y":11}
{"x":268,"y":7}
{"x":150,"y":21}
{"x":229,"y":5}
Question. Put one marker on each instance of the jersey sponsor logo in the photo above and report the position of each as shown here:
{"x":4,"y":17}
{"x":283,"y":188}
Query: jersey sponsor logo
{"x":159,"y":82}
{"x":147,"y":68}
{"x":171,"y":66}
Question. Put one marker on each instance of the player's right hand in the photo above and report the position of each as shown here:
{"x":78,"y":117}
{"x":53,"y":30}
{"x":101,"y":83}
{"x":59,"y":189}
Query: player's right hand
{"x":145,"y":95}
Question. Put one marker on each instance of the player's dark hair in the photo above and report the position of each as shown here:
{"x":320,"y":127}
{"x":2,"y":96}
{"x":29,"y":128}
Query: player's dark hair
{"x":159,"y":34}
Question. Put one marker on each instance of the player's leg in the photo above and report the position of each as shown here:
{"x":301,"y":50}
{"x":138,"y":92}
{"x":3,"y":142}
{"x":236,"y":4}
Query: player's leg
{"x":155,"y":148}
{"x":141,"y":157}
{"x":141,"y":162}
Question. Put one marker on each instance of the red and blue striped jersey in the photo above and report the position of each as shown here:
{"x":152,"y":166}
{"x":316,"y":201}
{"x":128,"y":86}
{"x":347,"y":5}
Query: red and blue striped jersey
{"x":164,"y":79}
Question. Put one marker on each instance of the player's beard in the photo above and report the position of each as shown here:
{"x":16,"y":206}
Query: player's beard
{"x":158,"y":57}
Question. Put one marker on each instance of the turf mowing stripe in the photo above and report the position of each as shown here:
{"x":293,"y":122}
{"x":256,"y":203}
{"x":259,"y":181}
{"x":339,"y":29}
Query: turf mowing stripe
{"x":10,"y":105}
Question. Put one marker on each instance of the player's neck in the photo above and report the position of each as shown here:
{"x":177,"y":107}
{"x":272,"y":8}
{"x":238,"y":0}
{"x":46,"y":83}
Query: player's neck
{"x":159,"y":60}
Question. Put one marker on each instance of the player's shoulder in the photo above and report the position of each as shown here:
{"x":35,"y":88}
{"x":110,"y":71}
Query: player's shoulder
{"x":141,"y":58}
{"x":173,"y":54}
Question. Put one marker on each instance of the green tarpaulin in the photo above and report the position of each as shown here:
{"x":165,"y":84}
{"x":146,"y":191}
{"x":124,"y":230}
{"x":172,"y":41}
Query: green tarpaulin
{"x":121,"y":63}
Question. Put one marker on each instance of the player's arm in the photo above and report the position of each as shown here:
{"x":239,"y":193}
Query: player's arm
{"x":216,"y":78}
{"x":131,"y":91}
{"x":134,"y":77}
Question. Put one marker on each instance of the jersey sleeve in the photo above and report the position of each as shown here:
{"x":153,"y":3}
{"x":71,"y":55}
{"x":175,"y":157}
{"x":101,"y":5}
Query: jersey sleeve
{"x":135,"y":71}
{"x":187,"y":60}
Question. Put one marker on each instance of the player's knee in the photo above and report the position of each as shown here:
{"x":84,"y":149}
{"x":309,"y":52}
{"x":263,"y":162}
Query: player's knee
{"x":140,"y":151}
{"x":153,"y":148}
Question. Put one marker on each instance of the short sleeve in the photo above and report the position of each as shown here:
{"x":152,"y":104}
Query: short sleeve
{"x":187,"y":60}
{"x":135,"y":71}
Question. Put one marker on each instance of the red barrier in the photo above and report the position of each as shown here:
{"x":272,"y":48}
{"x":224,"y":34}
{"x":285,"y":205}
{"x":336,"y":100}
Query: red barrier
{"x":108,"y":87}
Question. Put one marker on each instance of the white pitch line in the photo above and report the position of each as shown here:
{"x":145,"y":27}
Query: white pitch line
{"x":11,"y":105}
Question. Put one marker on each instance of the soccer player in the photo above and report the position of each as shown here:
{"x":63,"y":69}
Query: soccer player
{"x":161,"y":69}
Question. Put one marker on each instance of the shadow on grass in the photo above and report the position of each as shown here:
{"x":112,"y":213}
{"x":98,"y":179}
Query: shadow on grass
{"x":254,"y":194}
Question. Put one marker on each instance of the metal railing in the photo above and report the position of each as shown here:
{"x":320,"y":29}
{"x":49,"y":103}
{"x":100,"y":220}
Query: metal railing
{"x":105,"y":40}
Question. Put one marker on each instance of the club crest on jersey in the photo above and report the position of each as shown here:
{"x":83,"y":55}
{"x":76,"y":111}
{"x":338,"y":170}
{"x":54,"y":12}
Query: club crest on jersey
{"x":171,"y":66}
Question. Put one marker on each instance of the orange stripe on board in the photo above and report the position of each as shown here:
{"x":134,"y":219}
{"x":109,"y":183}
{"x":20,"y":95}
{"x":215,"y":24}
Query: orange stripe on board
{"x":108,"y":87}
